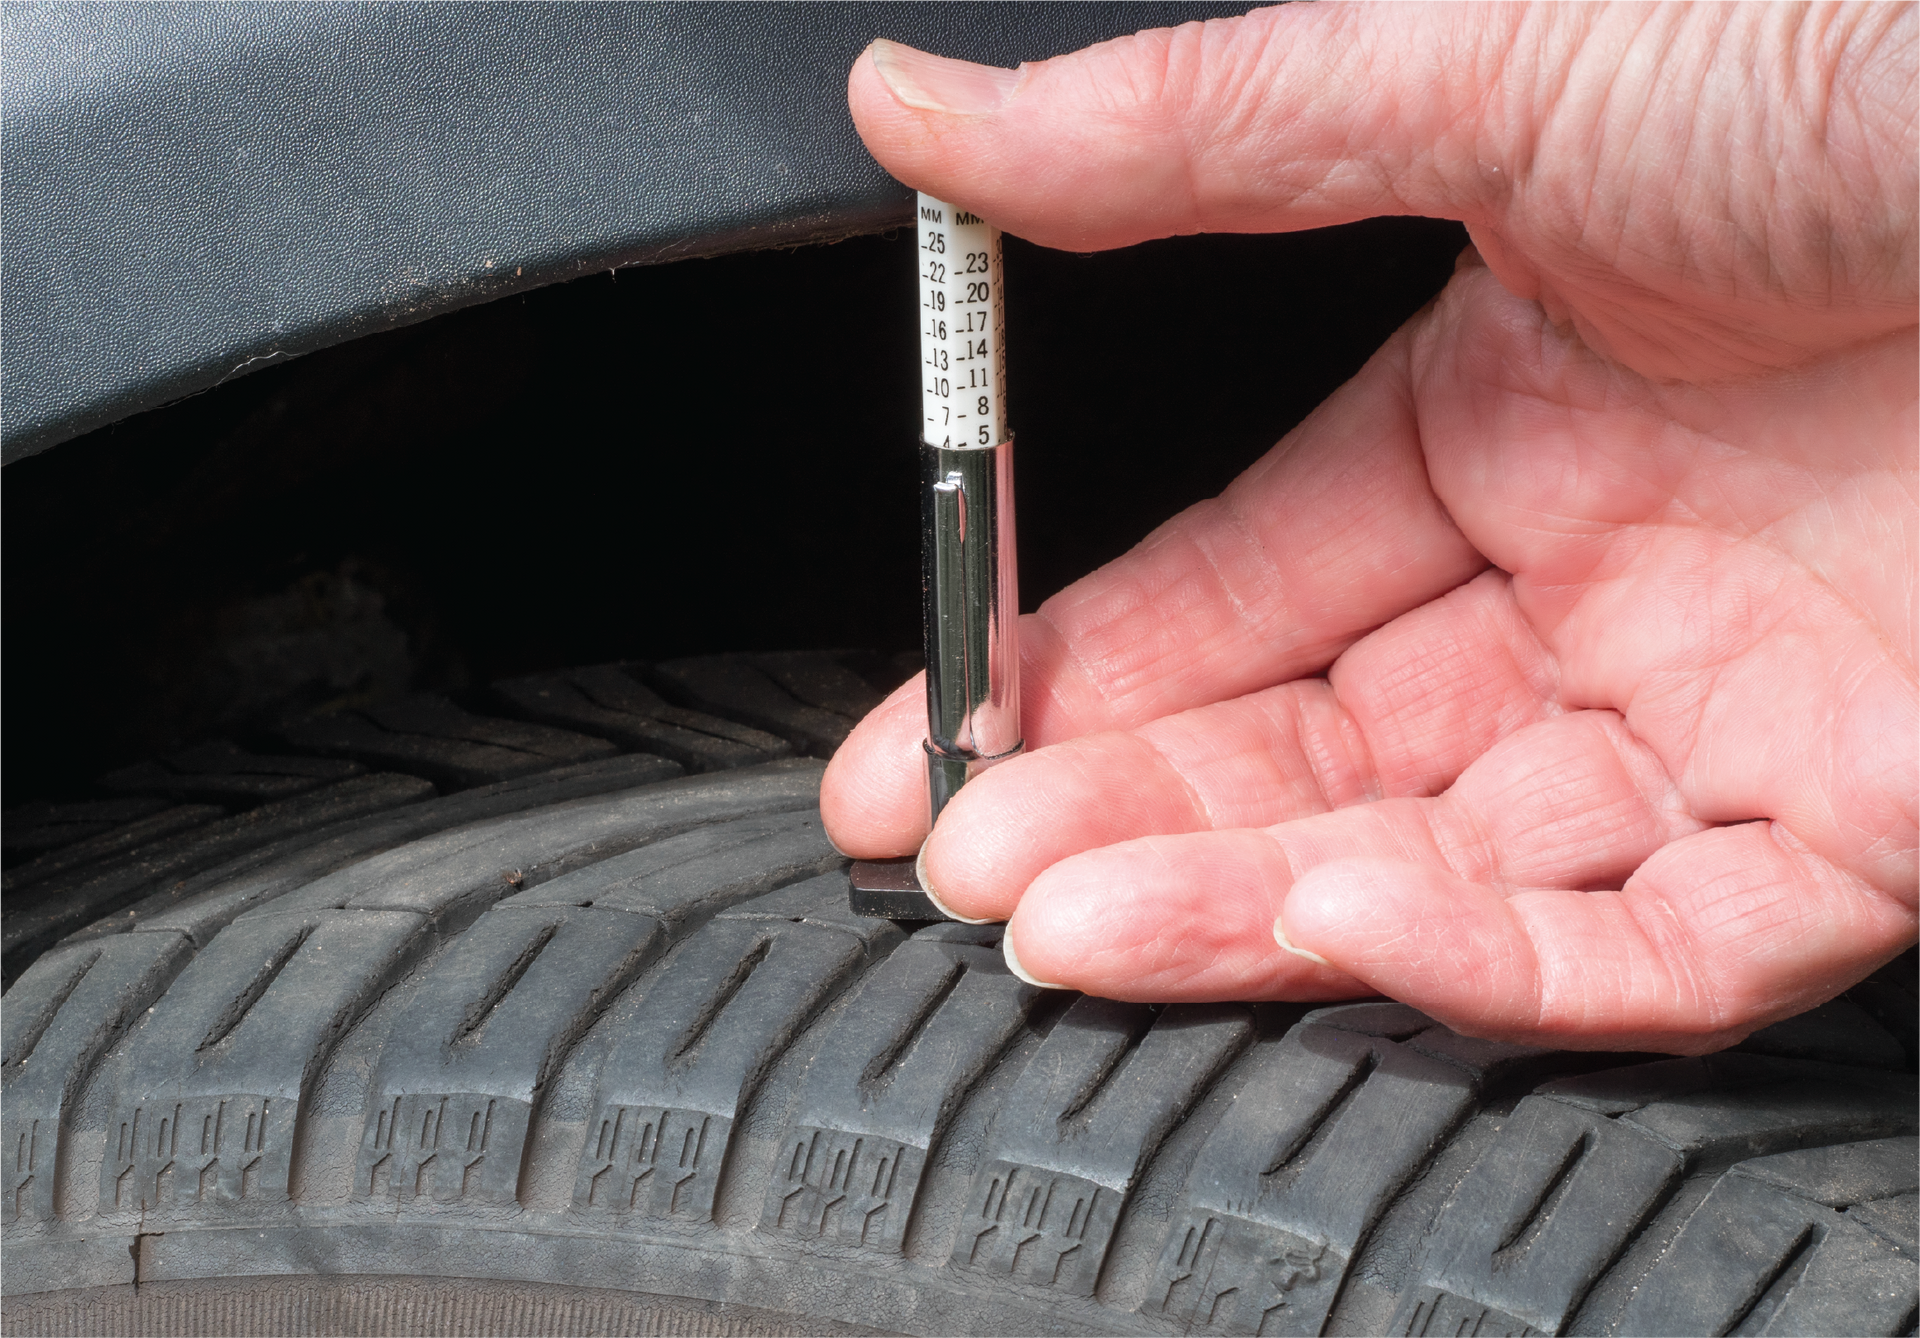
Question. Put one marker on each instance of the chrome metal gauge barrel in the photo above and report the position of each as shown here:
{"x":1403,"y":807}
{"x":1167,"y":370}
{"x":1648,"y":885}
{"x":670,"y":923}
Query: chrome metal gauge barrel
{"x":969,"y":573}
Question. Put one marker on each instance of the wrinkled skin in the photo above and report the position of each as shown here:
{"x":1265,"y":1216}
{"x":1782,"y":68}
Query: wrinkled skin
{"x":1557,"y":675}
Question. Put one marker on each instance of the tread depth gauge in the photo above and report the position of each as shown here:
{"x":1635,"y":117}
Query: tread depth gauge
{"x":968,"y":570}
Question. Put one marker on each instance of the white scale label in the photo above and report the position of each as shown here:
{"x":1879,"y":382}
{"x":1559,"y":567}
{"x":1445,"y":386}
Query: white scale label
{"x":963,"y":329}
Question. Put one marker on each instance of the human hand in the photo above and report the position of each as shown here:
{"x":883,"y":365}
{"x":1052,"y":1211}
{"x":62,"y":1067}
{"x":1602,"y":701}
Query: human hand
{"x":1557,"y":675}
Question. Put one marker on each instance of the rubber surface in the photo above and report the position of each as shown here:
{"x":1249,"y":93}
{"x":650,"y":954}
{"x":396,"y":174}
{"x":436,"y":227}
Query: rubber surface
{"x":607,"y":1042}
{"x":199,"y":190}
{"x":381,"y":1305}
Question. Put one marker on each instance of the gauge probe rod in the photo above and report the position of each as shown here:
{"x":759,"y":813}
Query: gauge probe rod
{"x":969,"y":579}
{"x":969,"y":576}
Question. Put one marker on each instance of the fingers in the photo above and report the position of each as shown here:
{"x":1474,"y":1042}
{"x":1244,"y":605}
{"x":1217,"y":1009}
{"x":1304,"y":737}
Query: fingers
{"x":1284,"y":753}
{"x":1327,"y":537}
{"x":1572,"y":802}
{"x":873,"y":797}
{"x":1716,"y":935}
{"x":1169,"y":918}
{"x":1405,"y":712}
{"x":1291,"y":117}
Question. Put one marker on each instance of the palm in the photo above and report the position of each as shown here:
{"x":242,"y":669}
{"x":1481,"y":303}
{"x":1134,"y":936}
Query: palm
{"x":1719,"y":590}
{"x":1690,"y":619}
{"x":1565,"y":700}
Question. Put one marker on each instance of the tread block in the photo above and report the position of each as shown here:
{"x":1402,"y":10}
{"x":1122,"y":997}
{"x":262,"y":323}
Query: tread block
{"x":1757,"y":1258}
{"x":1389,"y":1021}
{"x":1614,"y":1092}
{"x":821,"y":901}
{"x":1837,"y":1032}
{"x":201,"y":905}
{"x":498,"y":1015}
{"x":733,"y":685}
{"x":43,"y":826}
{"x":452,"y":764}
{"x":1444,"y":1315}
{"x":525,"y":851}
{"x":692,"y":874}
{"x":60,"y":1016}
{"x":434,"y":716}
{"x":690,"y":1055}
{"x":1729,"y":1125}
{"x":619,"y":688}
{"x":1895,"y":1219}
{"x":32,"y":1150}
{"x":85,"y":895}
{"x":225,"y":773}
{"x":603,"y":700}
{"x":116,"y":840}
{"x":224,"y":759}
{"x":925,"y":1024}
{"x":1891,"y":997}
{"x":1042,"y":1227}
{"x":657,"y":1162}
{"x":1330,"y":1124}
{"x":429,"y":736}
{"x":1044,"y":1204}
{"x":1843,"y":1174}
{"x":205,"y":1098}
{"x":846,"y":1187}
{"x":953,"y":931}
{"x":198,"y":1150}
{"x":411,"y":1151}
{"x":1228,"y":1274}
{"x":881,"y":671}
{"x":1490,"y":1062}
{"x":1556,"y":1199}
{"x":819,"y":678}
{"x":1532,"y":1226}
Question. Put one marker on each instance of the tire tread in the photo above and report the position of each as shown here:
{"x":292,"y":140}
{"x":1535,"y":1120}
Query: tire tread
{"x":577,"y":964}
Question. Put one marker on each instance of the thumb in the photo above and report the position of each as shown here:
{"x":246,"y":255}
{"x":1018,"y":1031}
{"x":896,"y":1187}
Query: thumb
{"x":1287,"y":118}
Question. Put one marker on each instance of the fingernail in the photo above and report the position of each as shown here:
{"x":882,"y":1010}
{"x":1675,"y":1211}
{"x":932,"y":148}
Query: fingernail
{"x":926,"y":885}
{"x":1280,"y":937}
{"x":939,"y":83}
{"x":1013,"y":965}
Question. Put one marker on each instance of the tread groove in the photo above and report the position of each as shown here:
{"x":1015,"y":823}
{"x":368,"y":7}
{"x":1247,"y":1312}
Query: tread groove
{"x":1106,"y":1075}
{"x":884,"y":1067}
{"x":482,"y":1008}
{"x":688,"y":1050}
{"x":236,"y":1012}
{"x":1778,"y":1282}
{"x":1320,"y":1125}
{"x":29,"y":1038}
{"x":1526,"y":1227}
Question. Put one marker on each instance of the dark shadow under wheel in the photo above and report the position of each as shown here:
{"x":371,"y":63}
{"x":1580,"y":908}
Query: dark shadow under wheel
{"x":543,"y":1012}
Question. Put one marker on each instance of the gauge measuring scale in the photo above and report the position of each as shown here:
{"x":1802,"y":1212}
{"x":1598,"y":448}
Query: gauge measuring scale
{"x":969,"y":574}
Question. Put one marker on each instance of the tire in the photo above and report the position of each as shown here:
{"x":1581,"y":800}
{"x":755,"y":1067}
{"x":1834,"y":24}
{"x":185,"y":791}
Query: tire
{"x":545,"y":1013}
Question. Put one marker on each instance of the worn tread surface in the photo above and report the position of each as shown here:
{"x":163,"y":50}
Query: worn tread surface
{"x":598,"y":1047}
